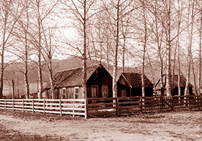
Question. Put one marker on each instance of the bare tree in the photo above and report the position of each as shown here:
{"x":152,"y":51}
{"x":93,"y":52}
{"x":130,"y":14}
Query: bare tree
{"x":199,"y":54}
{"x":82,"y":12}
{"x":8,"y":21}
{"x":191,"y":5}
{"x":40,"y":15}
{"x":117,"y":10}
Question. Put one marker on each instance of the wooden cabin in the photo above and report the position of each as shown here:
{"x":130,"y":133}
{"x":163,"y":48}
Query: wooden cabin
{"x":174,"y":85}
{"x":130,"y":84}
{"x":68,"y":83}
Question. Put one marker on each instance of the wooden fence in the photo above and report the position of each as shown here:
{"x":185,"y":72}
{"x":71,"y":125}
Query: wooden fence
{"x":101,"y":106}
{"x":122,"y":105}
{"x":57,"y":106}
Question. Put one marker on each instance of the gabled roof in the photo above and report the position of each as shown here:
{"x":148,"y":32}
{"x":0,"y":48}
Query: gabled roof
{"x":74,"y":77}
{"x":134,"y":80}
{"x":182,"y":81}
{"x":175,"y":81}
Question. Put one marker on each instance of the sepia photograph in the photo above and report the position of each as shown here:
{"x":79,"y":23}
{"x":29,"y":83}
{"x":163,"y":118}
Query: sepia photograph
{"x":100,"y":70}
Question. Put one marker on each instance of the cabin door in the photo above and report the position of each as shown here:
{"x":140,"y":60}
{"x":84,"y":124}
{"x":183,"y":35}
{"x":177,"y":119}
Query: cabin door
{"x":105,"y":91}
{"x":94,"y":91}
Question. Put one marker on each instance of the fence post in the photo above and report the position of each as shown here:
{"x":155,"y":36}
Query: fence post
{"x":197,"y":97}
{"x":23,"y":105}
{"x":44,"y":104}
{"x":73,"y":108}
{"x":32,"y":105}
{"x":13,"y":105}
{"x":141,"y":103}
{"x":60,"y":107}
{"x":86,"y":108}
{"x":161,"y":103}
{"x":117,"y":106}
{"x":5,"y":104}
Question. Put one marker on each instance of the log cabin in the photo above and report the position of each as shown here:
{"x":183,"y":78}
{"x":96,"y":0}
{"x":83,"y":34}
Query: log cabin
{"x":68,"y":83}
{"x":174,"y":85}
{"x":130,"y":84}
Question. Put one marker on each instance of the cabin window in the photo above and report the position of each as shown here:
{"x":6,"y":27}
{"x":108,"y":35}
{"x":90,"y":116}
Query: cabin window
{"x":94,"y":90}
{"x":123,"y":93}
{"x":104,"y":91}
{"x":76,"y":92}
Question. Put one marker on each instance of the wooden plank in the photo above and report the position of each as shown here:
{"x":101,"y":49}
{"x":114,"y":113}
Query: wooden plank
{"x":35,"y":103}
{"x":17,"y":106}
{"x":52,"y":104}
{"x":101,"y":108}
{"x":32,"y":105}
{"x":60,"y":108}
{"x":44,"y":106}
{"x":100,"y":104}
{"x":70,"y":104}
{"x":13,"y":105}
{"x":67,"y":108}
{"x":5,"y":104}
{"x":71,"y":113}
{"x":86,"y":108}
{"x":73,"y":109}
{"x":53,"y":108}
{"x":130,"y":102}
{"x":38,"y":107}
{"x":128,"y":107}
{"x":55,"y":112}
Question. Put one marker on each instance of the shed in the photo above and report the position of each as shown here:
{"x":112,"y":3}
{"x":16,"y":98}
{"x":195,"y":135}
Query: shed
{"x":174,"y":85}
{"x":130,"y":84}
{"x":68,"y":83}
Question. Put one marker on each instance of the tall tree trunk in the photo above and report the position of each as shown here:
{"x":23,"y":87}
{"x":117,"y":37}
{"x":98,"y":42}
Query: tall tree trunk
{"x":26,"y":54}
{"x":168,"y":88}
{"x":39,"y":52}
{"x":158,"y":42}
{"x":3,"y":50}
{"x":116,"y":52}
{"x":199,"y":56}
{"x":50,"y":66}
{"x":123,"y":61}
{"x":178,"y":47}
{"x":84,"y":53}
{"x":189,"y":50}
{"x":144,"y":49}
{"x":193,"y":70}
{"x":51,"y":77}
{"x":152,"y":72}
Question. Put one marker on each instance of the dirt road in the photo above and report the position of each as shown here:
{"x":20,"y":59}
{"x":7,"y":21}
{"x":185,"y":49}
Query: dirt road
{"x":149,"y":127}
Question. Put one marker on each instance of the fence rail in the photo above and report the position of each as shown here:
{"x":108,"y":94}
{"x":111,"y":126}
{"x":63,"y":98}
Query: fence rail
{"x":120,"y":105}
{"x":99,"y":106}
{"x":57,"y":106}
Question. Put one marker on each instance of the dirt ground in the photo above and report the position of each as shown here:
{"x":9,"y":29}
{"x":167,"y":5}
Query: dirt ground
{"x":150,"y":127}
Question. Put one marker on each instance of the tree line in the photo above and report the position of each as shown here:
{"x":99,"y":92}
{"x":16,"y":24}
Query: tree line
{"x":118,"y":32}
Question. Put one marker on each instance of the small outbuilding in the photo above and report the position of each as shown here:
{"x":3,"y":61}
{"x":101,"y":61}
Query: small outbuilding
{"x":174,"y":85}
{"x":130,"y":84}
{"x":68,"y":83}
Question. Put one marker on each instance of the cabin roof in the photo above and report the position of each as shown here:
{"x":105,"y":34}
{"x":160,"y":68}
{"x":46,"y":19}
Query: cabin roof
{"x":74,"y":77}
{"x":175,"y":81}
{"x":134,"y":80}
